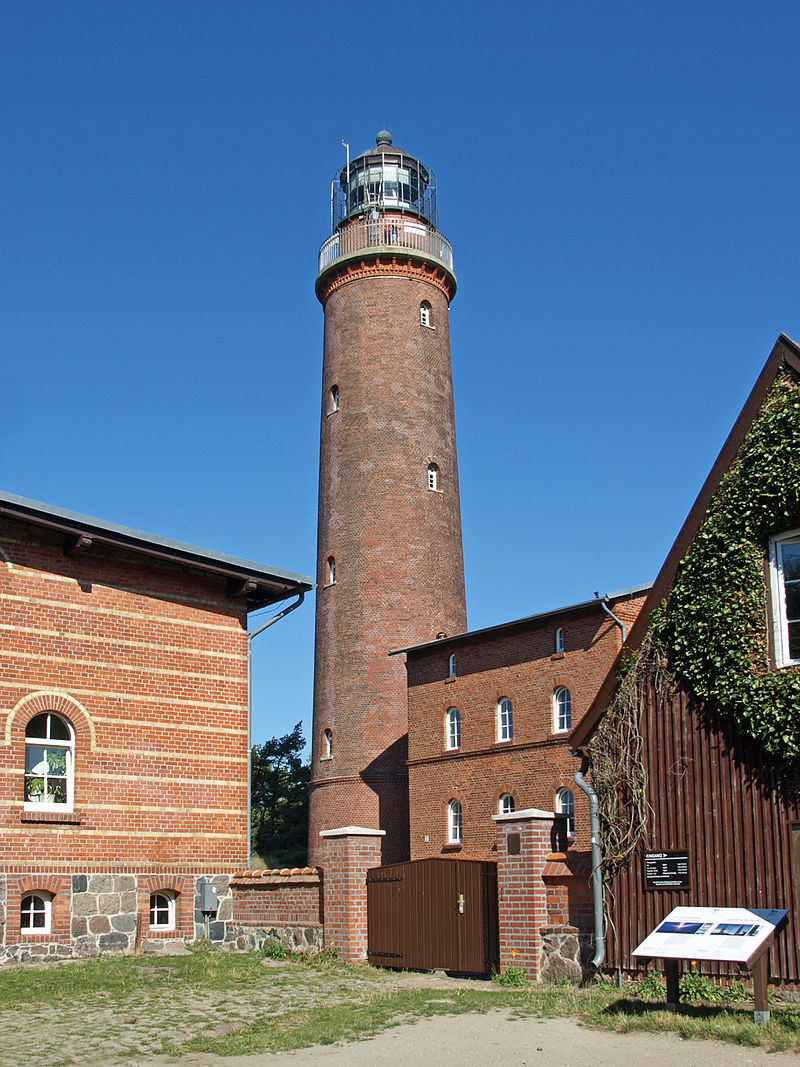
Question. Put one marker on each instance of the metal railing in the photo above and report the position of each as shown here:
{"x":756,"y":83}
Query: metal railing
{"x":387,"y":231}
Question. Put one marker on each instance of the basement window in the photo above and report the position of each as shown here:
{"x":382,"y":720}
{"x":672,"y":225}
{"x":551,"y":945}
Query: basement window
{"x":35,"y":912}
{"x":784,"y":557}
{"x":162,"y":910}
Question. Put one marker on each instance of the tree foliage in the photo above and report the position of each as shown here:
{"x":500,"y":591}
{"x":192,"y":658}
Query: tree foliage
{"x":280,"y":800}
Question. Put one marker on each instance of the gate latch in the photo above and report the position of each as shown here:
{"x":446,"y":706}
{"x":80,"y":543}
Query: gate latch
{"x":461,"y":903}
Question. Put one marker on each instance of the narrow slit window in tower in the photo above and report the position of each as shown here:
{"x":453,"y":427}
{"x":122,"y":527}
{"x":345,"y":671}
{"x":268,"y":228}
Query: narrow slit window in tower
{"x":327,"y":744}
{"x":425,"y":314}
{"x":333,"y":399}
{"x":433,"y":477}
{"x":331,"y":575}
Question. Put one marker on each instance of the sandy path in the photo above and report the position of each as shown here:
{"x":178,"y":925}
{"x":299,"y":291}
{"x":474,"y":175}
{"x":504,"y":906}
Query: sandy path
{"x":494,"y":1040}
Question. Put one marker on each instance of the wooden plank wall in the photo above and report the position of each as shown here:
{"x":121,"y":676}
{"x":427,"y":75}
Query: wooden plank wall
{"x":726,"y":804}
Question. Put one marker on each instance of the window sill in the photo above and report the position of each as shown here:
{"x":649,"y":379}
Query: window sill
{"x":453,"y":751}
{"x":326,"y":759}
{"x":426,"y":326}
{"x":557,"y":655}
{"x":70,"y":818}
{"x":453,"y":847}
{"x":450,"y":679}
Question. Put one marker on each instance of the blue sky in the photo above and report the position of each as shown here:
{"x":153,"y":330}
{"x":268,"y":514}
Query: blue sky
{"x":619,"y":183}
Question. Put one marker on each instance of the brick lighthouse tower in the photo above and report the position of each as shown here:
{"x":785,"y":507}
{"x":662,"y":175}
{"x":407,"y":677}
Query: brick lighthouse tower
{"x":390,"y":568}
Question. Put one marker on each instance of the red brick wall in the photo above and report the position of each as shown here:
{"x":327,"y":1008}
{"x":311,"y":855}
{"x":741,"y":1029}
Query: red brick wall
{"x":273,"y":898}
{"x":397,"y":545}
{"x":347,"y":859}
{"x":148,"y":662}
{"x":518,"y":662}
{"x":521,"y":894}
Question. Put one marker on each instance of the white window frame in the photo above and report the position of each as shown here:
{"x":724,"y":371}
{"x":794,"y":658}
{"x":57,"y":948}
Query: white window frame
{"x":505,"y":719}
{"x":434,"y":484}
{"x":327,"y":743}
{"x":565,"y":805}
{"x":780,"y":618}
{"x":451,"y":666}
{"x":168,"y":895}
{"x":562,"y":719}
{"x":453,"y":728}
{"x":455,"y":823}
{"x":506,"y":805}
{"x":559,"y":640}
{"x":65,"y":745}
{"x":45,"y":899}
{"x":425,"y":315}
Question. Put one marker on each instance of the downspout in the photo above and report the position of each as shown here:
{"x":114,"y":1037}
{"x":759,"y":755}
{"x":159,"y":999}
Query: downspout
{"x":250,"y":636}
{"x":619,"y":622}
{"x":597,"y":873}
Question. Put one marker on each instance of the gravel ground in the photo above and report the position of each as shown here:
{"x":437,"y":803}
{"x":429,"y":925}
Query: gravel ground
{"x":492,"y":1040}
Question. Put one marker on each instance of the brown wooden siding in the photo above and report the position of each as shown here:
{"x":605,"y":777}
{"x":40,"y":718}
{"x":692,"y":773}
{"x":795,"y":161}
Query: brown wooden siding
{"x":718,"y":797}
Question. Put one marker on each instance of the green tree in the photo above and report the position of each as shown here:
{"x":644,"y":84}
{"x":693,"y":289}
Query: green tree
{"x":280,"y":800}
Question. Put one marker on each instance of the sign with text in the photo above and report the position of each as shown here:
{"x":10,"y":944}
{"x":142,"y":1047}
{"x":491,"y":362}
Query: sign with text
{"x":666,"y":870}
{"x":725,"y":934}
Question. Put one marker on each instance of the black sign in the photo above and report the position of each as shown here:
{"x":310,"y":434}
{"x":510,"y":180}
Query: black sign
{"x":666,"y":870}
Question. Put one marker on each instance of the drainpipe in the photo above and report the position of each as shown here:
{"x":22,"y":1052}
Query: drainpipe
{"x":250,"y":636}
{"x":597,"y":873}
{"x":619,"y":622}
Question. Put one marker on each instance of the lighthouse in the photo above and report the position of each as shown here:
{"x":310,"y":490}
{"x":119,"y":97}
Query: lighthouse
{"x":390,"y":569}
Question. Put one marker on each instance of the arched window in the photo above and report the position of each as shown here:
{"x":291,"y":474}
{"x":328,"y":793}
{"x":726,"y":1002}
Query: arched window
{"x":49,"y":751}
{"x":505,"y":720}
{"x":506,"y":805}
{"x":327,"y":744}
{"x":560,"y":639}
{"x":425,"y":313}
{"x":565,"y":805}
{"x":162,"y":910}
{"x":454,"y":823}
{"x":333,"y":399}
{"x":562,"y":710}
{"x":330,"y":577}
{"x":451,"y":666}
{"x":453,"y":728}
{"x":34,"y":912}
{"x":433,"y":477}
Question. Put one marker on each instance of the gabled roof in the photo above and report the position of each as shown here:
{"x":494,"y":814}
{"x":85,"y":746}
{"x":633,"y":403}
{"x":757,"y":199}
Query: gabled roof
{"x":785,"y":353}
{"x":542,"y":616}
{"x":259,"y":584}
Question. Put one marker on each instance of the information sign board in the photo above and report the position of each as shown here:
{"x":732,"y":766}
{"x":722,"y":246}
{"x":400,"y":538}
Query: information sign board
{"x":730,"y":934}
{"x":666,"y":870}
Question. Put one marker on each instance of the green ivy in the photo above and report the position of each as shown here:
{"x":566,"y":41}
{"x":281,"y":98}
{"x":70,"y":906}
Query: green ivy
{"x":715,"y":621}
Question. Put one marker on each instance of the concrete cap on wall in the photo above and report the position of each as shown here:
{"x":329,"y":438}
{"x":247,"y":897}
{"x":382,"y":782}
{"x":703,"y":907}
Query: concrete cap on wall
{"x":527,"y":813}
{"x":354,"y":831}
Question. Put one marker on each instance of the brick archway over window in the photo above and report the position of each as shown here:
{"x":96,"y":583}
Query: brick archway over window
{"x":45,"y":700}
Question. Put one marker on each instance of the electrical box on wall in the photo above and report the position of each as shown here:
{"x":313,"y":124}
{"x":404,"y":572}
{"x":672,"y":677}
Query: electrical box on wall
{"x":208,"y":898}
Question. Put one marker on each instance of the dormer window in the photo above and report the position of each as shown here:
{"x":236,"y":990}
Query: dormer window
{"x":425,"y":314}
{"x":785,"y":572}
{"x":433,"y":478}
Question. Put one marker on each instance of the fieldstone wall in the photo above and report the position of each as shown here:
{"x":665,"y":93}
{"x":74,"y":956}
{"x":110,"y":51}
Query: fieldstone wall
{"x":292,"y":937}
{"x":214,"y":926}
{"x":565,"y":951}
{"x":104,"y":913}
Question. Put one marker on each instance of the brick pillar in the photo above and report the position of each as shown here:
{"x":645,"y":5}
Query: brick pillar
{"x":525,"y":839}
{"x":348,"y":853}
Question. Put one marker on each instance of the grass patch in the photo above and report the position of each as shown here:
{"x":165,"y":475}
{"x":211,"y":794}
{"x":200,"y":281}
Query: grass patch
{"x":95,"y":1010}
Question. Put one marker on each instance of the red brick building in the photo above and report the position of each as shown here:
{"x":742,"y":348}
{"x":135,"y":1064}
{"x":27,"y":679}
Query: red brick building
{"x":489,"y":713}
{"x":123,"y":731}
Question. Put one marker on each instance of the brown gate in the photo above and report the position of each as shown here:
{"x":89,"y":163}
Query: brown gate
{"x":433,"y":914}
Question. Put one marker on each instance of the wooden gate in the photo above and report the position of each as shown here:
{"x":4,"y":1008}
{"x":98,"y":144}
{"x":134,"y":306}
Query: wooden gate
{"x":434,"y":914}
